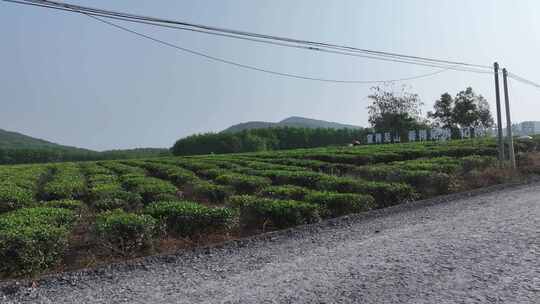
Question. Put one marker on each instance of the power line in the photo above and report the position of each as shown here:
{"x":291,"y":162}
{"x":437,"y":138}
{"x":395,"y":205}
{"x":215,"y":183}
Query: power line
{"x":253,"y":67}
{"x":456,"y":68}
{"x":322,"y":47}
{"x":523,"y":80}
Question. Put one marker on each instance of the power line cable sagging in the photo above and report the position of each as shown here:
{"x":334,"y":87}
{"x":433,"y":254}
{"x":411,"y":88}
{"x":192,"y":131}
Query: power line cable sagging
{"x":260,"y":38}
{"x":98,"y":14}
{"x":256,"y":68}
{"x":523,"y":80}
{"x":236,"y":33}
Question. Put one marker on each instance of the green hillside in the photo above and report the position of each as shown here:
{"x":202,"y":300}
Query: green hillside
{"x":17,"y":148}
{"x":15,"y":140}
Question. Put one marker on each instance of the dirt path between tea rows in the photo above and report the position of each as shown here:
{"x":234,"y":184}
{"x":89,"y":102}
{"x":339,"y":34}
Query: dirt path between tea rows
{"x":480,"y":249}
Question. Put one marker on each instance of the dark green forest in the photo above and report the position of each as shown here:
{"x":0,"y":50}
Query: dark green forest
{"x":266,"y":139}
{"x":55,"y":154}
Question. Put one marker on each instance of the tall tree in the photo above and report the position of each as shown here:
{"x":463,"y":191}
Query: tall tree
{"x":471,"y":110}
{"x":442,"y":114}
{"x":486,"y":119}
{"x":392,"y":111}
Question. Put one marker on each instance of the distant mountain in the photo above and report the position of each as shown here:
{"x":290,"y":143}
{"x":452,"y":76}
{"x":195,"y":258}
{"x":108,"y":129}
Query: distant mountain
{"x":17,"y":148}
{"x":294,"y":121}
{"x":250,"y":125}
{"x":14,"y":140}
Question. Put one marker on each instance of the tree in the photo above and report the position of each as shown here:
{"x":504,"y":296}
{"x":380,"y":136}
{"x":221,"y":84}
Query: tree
{"x":471,"y":110}
{"x":466,"y":110}
{"x":396,"y":112}
{"x":486,"y":119}
{"x":442,"y":116}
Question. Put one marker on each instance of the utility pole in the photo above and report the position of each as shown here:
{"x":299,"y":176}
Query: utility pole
{"x":511,"y":154}
{"x":499,"y":119}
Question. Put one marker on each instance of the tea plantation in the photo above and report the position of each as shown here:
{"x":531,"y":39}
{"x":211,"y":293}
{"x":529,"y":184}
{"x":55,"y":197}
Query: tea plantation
{"x":125,"y":208}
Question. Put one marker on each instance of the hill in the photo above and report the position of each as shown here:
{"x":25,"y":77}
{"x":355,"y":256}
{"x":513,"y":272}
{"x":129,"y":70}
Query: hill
{"x":17,"y":148}
{"x":293,"y":121}
{"x":15,"y":140}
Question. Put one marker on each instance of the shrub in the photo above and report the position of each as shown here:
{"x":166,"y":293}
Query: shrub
{"x":165,"y":197}
{"x":342,"y":158}
{"x":181,"y":177}
{"x":67,"y":183}
{"x":195,"y":166}
{"x":65,"y":204}
{"x":125,"y":233}
{"x":337,"y":204}
{"x":385,"y":194}
{"x":33,"y":239}
{"x":212,"y":192}
{"x":427,"y":183}
{"x":131,"y":197}
{"x":108,"y":204}
{"x":529,"y":163}
{"x":13,"y":197}
{"x":131,"y":180}
{"x":243,"y":183}
{"x":103,"y":179}
{"x":213,"y":173}
{"x":150,"y":188}
{"x":175,"y":174}
{"x":256,"y":212}
{"x":105,"y":190}
{"x":122,"y":169}
{"x":187,"y":218}
{"x":373,"y":172}
{"x":299,"y":178}
{"x":285,"y":192}
{"x":477,"y":162}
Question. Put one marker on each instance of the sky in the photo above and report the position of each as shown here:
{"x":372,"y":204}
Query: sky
{"x":72,"y":80}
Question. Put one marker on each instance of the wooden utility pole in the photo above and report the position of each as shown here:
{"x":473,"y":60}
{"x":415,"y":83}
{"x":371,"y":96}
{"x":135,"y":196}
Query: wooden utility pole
{"x":499,"y":118}
{"x":511,"y":154}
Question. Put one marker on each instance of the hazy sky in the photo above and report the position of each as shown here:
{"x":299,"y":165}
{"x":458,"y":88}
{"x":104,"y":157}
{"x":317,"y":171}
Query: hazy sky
{"x":72,"y":80}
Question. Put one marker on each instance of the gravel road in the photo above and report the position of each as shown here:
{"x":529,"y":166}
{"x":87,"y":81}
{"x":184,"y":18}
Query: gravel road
{"x":479,"y":249}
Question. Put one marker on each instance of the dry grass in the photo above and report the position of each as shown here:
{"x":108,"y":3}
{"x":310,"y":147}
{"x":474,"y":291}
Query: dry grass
{"x":495,"y":175}
{"x":529,"y":163}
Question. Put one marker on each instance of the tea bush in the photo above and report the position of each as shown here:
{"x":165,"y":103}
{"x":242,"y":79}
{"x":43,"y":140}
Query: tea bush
{"x":67,"y":183}
{"x":211,"y":192}
{"x":213,"y":173}
{"x":149,"y":188}
{"x":385,"y":194}
{"x":74,"y":205}
{"x":13,"y":197}
{"x":178,"y":176}
{"x":33,"y":239}
{"x":298,"y":178}
{"x":337,"y":204}
{"x":243,"y":184}
{"x":256,"y":212}
{"x":184,"y":219}
{"x":125,"y":233}
{"x":288,"y":192}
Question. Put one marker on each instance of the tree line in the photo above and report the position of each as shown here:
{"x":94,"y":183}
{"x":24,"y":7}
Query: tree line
{"x":278,"y":138}
{"x":398,"y":111}
{"x":390,"y":110}
{"x":53,"y":154}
